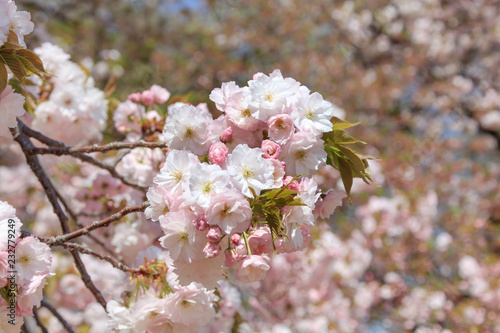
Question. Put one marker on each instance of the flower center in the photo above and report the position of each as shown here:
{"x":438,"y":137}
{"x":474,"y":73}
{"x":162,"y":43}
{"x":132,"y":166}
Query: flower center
{"x":245,"y":113}
{"x":185,"y":304}
{"x":279,"y":124}
{"x":301,"y":155}
{"x":207,"y":187}
{"x":309,"y":114}
{"x":247,"y":173}
{"x":177,"y":175}
{"x":24,"y":261}
{"x":225,"y":211}
{"x":183,"y":238}
{"x":189,"y":133}
{"x":270,"y":96}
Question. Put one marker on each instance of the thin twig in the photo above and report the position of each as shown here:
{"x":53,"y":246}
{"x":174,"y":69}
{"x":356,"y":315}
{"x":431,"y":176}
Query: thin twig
{"x":96,"y":225}
{"x":58,"y":148}
{"x":38,"y":321}
{"x":75,"y":219}
{"x":67,"y":150}
{"x":85,"y":250}
{"x":109,"y":168}
{"x":57,"y":315}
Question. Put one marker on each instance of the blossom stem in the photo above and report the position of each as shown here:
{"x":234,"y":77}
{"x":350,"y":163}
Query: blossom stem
{"x":249,"y":252}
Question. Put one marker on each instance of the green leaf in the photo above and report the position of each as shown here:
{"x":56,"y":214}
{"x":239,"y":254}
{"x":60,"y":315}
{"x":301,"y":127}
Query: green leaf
{"x":272,"y":194}
{"x":340,"y":136}
{"x":339,"y":124}
{"x":3,"y":77}
{"x":352,"y":157}
{"x":15,"y":66}
{"x":346,"y":175}
{"x":29,"y":67}
{"x":12,"y":46}
{"x":32,"y":57}
{"x":273,"y":217}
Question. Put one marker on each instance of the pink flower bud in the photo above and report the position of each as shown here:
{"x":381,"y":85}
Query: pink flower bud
{"x":270,"y":149}
{"x":283,"y":164}
{"x":135,"y":97}
{"x":200,"y":223}
{"x":148,"y":98}
{"x":293,"y":186}
{"x":161,"y":95}
{"x":214,"y":234}
{"x":218,"y":153}
{"x":227,"y":135}
{"x":231,"y":258}
{"x":235,"y":239}
{"x":211,"y":250}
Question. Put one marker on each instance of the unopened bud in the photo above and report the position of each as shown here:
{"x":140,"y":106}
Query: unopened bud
{"x":227,"y":135}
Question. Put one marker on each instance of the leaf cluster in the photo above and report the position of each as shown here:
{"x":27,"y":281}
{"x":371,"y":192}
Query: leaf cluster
{"x":267,"y":207}
{"x":20,"y":61}
{"x":152,"y":273}
{"x":349,"y":162}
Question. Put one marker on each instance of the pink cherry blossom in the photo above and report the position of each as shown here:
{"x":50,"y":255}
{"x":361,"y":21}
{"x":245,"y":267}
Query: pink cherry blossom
{"x":281,"y":128}
{"x":135,"y":97}
{"x":253,"y":268}
{"x":230,"y":211}
{"x":325,"y":207}
{"x":147,"y":98}
{"x":211,"y":250}
{"x":270,"y":149}
{"x":161,"y":95}
{"x":227,"y":135}
{"x":218,"y":153}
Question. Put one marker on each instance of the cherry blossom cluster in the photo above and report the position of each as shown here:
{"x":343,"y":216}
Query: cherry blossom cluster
{"x":24,"y":267}
{"x":220,"y":196}
{"x":136,"y":114}
{"x":14,"y":24}
{"x":72,"y":109}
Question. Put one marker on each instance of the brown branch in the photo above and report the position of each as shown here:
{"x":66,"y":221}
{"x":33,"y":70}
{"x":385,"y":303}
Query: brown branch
{"x":59,"y":149}
{"x":58,"y":316}
{"x":35,"y":166}
{"x":38,"y":321}
{"x":96,"y":225}
{"x":66,"y":150}
{"x":109,"y":168}
{"x":40,"y":137}
{"x":79,"y":225}
{"x":85,"y":250}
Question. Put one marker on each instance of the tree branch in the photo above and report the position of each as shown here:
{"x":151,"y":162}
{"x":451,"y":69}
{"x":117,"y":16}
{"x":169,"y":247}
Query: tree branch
{"x":58,"y":316}
{"x":35,"y":166}
{"x":58,"y":240}
{"x":66,"y":150}
{"x":38,"y":321}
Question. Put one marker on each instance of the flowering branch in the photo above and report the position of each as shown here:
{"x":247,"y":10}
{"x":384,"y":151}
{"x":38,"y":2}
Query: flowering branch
{"x":49,"y":189}
{"x":57,"y":315}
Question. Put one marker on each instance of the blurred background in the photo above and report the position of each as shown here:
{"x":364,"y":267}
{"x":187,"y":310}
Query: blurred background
{"x":419,"y":253}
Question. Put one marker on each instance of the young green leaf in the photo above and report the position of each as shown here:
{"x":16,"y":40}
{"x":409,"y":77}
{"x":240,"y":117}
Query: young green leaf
{"x":3,"y":77}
